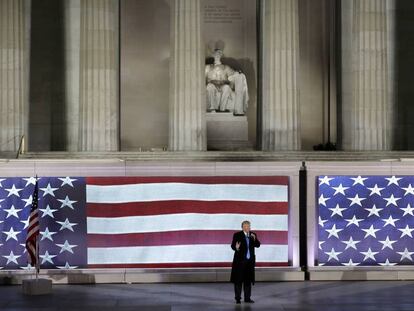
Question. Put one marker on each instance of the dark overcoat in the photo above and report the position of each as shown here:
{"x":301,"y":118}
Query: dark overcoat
{"x":242,"y":270}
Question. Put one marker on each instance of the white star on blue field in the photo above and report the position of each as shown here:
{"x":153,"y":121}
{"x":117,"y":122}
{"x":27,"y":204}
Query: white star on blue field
{"x":365,"y":220}
{"x":62,"y":218}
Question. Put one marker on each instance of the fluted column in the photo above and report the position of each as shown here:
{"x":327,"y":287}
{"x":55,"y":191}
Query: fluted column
{"x":280,"y":105}
{"x":367,"y":102}
{"x":98,"y":72}
{"x":72,"y":14}
{"x":187,"y":89}
{"x":14,"y":71}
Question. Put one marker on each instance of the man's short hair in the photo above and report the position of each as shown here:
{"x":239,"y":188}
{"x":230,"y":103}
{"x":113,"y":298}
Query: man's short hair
{"x":245,"y":222}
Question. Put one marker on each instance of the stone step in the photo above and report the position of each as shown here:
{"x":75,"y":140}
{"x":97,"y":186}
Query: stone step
{"x":8,"y":155}
{"x":229,"y":156}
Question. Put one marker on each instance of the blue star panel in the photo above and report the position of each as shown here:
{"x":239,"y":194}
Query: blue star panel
{"x":365,"y":220}
{"x":62,"y":216}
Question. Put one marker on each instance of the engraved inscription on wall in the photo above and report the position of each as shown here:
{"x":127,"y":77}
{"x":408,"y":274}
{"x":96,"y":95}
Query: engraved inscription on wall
{"x":221,"y":14}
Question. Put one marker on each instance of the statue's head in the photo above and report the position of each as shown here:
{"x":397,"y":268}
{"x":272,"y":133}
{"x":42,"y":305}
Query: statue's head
{"x":217,"y":54}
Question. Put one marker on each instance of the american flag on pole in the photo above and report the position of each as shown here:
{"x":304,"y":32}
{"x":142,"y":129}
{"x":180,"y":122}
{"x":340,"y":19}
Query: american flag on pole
{"x":366,"y":220}
{"x":122,"y":222}
{"x":33,"y":230}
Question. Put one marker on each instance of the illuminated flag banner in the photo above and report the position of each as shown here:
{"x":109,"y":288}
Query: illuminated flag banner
{"x":121,"y":222}
{"x":366,"y":220}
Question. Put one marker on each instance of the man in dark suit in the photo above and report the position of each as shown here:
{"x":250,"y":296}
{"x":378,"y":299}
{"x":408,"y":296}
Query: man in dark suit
{"x":244,"y":260}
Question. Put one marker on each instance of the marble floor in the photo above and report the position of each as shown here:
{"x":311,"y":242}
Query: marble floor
{"x":289,"y":296}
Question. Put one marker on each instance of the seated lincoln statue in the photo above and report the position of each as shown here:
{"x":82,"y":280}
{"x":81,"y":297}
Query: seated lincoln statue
{"x":226,"y":88}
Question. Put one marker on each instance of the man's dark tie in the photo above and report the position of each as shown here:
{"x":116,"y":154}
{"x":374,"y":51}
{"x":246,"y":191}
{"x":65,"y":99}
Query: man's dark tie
{"x":248,"y":247}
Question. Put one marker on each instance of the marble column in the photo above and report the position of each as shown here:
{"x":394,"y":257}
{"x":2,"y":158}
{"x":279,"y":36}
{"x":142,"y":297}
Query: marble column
{"x":98,"y":76}
{"x":367,"y":91}
{"x":72,"y":9}
{"x":14,"y":72}
{"x":187,"y":87}
{"x":280,"y":103}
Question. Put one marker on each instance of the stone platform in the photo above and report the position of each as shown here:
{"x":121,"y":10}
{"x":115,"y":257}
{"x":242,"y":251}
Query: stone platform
{"x":211,"y":156}
{"x":362,"y":273}
{"x":227,"y":132}
{"x":97,"y":276}
{"x":276,"y":296}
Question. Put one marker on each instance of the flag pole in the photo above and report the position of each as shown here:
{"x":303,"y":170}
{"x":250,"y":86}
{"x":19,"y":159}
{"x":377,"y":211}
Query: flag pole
{"x":32,"y":238}
{"x":37,"y":259}
{"x":37,"y":246}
